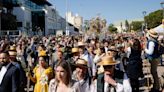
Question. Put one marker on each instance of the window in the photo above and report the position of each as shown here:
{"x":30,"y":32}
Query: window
{"x":19,"y":24}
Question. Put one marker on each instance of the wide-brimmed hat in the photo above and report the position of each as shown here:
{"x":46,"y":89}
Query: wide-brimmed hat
{"x":108,"y":60}
{"x":42,"y":53}
{"x":162,"y":20}
{"x":81,"y":63}
{"x":152,"y":33}
{"x":75,"y":50}
{"x":80,"y":44}
{"x":12,"y":53}
{"x":12,"y":48}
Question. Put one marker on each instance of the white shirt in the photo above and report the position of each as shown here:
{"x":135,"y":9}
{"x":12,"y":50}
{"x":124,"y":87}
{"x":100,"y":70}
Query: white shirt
{"x":84,"y":85}
{"x":128,"y":51}
{"x":150,"y":48}
{"x":125,"y":87}
{"x":106,"y":49}
{"x":91,"y":64}
{"x":97,"y":58}
{"x":3,"y":72}
{"x":119,"y":87}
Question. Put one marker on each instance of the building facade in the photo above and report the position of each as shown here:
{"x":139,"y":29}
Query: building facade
{"x":75,"y":20}
{"x":120,"y":25}
{"x":36,"y":17}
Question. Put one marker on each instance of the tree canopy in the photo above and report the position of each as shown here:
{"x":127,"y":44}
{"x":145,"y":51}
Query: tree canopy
{"x":136,"y":25}
{"x":112,"y":29}
{"x":154,"y":19}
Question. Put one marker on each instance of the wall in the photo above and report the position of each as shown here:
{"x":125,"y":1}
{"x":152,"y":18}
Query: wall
{"x":23,"y":15}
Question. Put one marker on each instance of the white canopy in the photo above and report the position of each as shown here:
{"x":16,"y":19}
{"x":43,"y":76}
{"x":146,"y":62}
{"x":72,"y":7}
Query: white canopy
{"x":159,"y":29}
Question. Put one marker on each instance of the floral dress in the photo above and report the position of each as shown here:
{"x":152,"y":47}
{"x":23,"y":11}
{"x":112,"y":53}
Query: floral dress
{"x":41,"y":79}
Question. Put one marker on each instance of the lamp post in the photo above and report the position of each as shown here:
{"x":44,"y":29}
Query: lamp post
{"x":162,"y":5}
{"x":121,"y":27}
{"x":145,"y":24}
{"x":0,"y":18}
{"x":67,"y":29}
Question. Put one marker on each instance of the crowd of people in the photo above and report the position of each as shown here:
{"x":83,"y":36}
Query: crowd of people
{"x":77,"y":63}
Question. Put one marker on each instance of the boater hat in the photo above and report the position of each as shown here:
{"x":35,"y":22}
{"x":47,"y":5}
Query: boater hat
{"x":75,"y":50}
{"x":108,"y":60}
{"x":81,"y":63}
{"x":152,"y":33}
{"x":81,"y":44}
{"x":12,"y":48}
{"x":12,"y":51}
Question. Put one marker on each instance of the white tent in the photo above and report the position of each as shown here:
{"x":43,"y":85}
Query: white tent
{"x":159,"y":29}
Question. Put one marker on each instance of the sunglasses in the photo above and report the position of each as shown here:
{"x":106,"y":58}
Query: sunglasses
{"x":108,"y":67}
{"x":81,"y":46}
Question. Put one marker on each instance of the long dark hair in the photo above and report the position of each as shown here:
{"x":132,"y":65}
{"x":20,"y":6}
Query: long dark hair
{"x":66,"y":66}
{"x":136,"y":45}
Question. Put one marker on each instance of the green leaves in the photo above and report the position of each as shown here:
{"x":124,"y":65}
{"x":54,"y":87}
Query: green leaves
{"x":136,"y":25}
{"x":154,"y":19}
{"x":112,"y":29}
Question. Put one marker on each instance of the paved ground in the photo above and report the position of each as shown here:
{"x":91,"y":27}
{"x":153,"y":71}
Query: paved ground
{"x":147,"y":83}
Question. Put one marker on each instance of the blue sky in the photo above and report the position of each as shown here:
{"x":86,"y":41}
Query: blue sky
{"x":111,"y":10}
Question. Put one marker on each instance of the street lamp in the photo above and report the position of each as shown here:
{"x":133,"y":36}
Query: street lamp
{"x":121,"y":27}
{"x":162,"y":3}
{"x":0,"y":18}
{"x":67,"y":29}
{"x":144,"y":14}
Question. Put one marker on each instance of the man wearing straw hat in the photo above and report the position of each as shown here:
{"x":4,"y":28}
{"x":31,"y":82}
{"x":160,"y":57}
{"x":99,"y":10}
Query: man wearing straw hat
{"x":109,"y":79}
{"x":152,"y":54}
{"x":83,"y":53}
{"x":13,"y":59}
{"x":74,"y":57}
{"x":75,"y":53}
{"x":82,"y":76}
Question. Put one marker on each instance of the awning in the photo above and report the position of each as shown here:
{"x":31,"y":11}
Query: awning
{"x":159,"y":29}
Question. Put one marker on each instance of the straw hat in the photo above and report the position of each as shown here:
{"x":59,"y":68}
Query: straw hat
{"x":81,"y":62}
{"x":12,"y":53}
{"x":152,"y":33}
{"x":108,"y":60}
{"x":42,"y":53}
{"x":81,"y":44}
{"x":75,"y":50}
{"x":12,"y":48}
{"x":162,"y":20}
